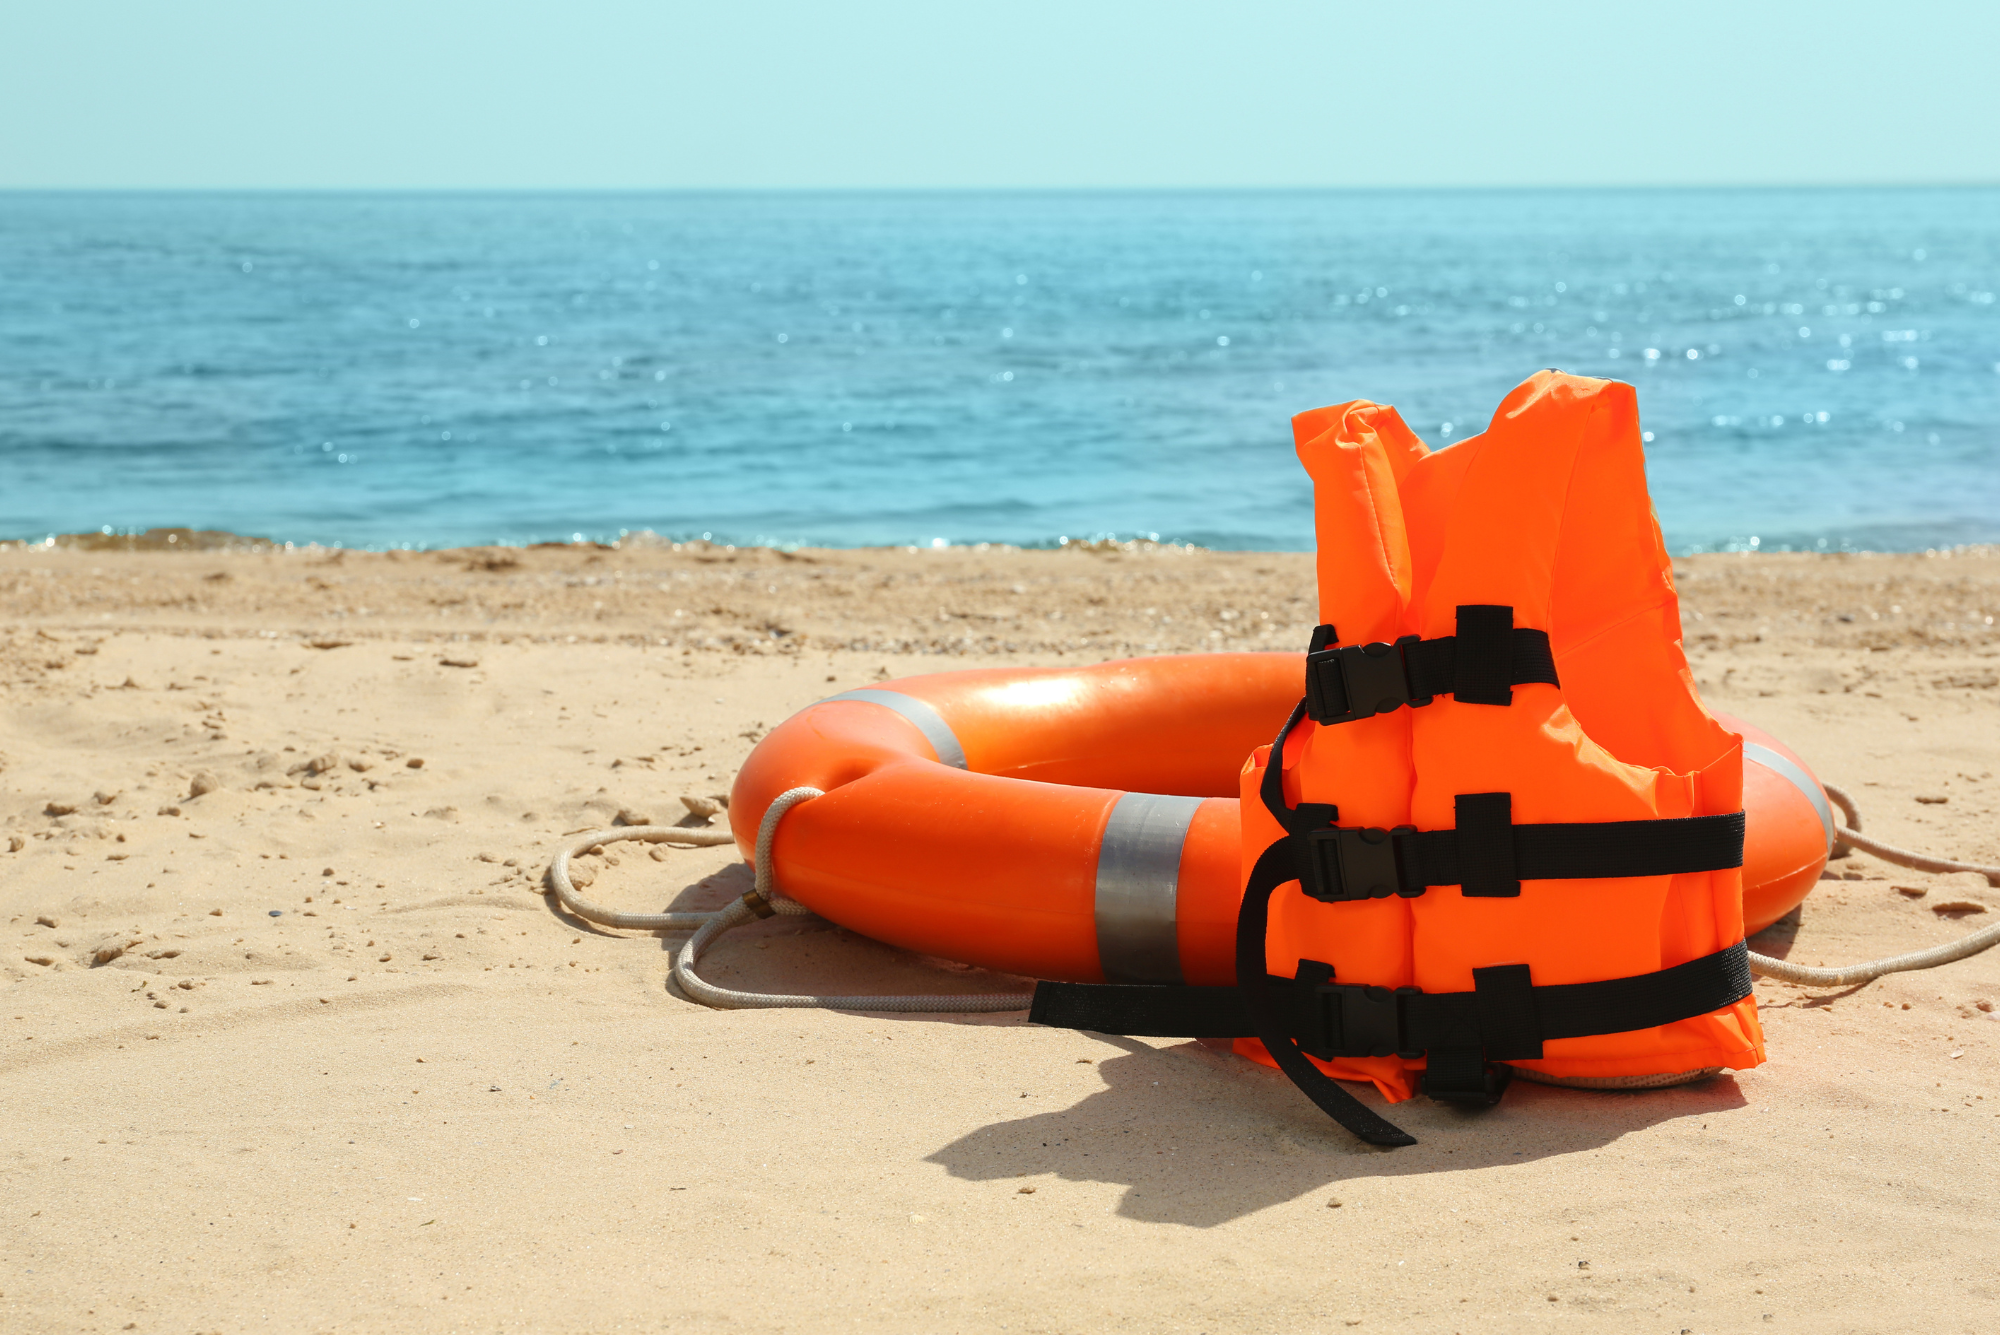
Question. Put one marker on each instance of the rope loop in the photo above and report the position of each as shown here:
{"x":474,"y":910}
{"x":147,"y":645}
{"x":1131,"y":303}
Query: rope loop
{"x":765,"y":900}
{"x":565,"y":888}
{"x":1849,"y":836}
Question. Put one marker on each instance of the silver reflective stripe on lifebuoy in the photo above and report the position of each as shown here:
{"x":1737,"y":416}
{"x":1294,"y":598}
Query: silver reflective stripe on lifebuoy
{"x":1800,"y":780}
{"x":1138,"y":887}
{"x":935,"y":730}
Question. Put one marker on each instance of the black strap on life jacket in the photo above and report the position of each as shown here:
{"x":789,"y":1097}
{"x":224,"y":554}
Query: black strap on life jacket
{"x":1485,"y":854}
{"x":1480,"y":665}
{"x":1270,"y":1014}
{"x":1505,"y":1018}
{"x":1332,"y":1020}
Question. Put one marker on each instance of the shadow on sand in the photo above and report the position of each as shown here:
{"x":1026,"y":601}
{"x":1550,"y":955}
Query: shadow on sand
{"x":1199,"y":1136}
{"x":1196,"y":1135}
{"x":1778,"y":939}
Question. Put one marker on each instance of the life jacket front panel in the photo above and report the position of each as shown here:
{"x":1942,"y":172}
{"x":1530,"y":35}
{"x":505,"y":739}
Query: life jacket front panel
{"x":1546,"y":513}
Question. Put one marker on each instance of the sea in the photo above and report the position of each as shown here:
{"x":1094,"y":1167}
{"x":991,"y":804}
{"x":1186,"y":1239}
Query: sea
{"x":1816,"y":369}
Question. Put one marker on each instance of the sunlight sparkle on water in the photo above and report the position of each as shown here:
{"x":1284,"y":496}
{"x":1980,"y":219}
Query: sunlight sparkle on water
{"x":584,"y":387}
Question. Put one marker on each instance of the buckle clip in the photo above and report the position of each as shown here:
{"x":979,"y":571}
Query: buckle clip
{"x":1358,"y":681}
{"x":1352,"y":1020}
{"x":1348,"y":864}
{"x":1470,"y":1079}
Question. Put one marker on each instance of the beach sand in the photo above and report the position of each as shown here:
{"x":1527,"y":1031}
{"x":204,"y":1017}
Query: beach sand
{"x":418,"y":1098}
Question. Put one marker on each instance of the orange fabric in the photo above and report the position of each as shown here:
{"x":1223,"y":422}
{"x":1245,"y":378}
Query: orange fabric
{"x":1546,"y":512}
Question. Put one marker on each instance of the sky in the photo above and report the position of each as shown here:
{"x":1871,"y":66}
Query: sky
{"x":956,"y":94}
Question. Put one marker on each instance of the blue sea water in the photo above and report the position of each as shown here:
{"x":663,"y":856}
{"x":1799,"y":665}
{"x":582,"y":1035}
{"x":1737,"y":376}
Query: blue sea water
{"x":1817,"y":369}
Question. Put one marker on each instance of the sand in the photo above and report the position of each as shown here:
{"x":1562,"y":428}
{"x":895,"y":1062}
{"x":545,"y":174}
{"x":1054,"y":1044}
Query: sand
{"x":311,"y":1050}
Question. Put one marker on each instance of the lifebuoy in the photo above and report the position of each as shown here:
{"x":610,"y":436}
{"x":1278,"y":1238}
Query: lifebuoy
{"x":1081,"y":824}
{"x":1788,"y":827}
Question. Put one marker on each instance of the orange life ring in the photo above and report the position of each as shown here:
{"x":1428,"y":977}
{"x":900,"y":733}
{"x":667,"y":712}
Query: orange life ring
{"x":1788,"y":827}
{"x":1081,"y":824}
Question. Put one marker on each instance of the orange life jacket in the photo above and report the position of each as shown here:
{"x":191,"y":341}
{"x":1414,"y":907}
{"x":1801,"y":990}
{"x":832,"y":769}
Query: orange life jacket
{"x":1503,"y":834}
{"x":1504,"y":785}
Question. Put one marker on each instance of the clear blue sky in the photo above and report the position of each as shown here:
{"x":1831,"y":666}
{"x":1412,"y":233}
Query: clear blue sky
{"x":950,"y":93}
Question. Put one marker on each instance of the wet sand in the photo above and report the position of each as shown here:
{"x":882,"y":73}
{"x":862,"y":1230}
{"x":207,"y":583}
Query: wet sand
{"x":418,"y":1098}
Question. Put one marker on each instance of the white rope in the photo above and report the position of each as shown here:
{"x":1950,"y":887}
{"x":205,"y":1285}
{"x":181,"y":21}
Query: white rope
{"x":1785,"y":971}
{"x":1851,"y":835}
{"x":651,"y":834}
{"x":762,"y":902}
{"x":766,"y":901}
{"x":1848,"y":975}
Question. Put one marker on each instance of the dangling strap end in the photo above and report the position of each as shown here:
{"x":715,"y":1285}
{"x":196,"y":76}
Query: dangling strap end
{"x":1267,"y":1003}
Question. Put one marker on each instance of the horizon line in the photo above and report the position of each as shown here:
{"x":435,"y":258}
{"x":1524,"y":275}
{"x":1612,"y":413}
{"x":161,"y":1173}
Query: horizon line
{"x":1185,"y":189}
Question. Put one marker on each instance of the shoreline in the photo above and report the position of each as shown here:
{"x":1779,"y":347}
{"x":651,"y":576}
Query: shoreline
{"x":183,"y":539}
{"x":1112,"y":600}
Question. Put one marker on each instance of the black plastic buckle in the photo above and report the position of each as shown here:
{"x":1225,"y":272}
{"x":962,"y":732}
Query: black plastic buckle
{"x":1349,"y":864}
{"x":1358,"y":681}
{"x":1468,"y":1079}
{"x":1349,"y":1020}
